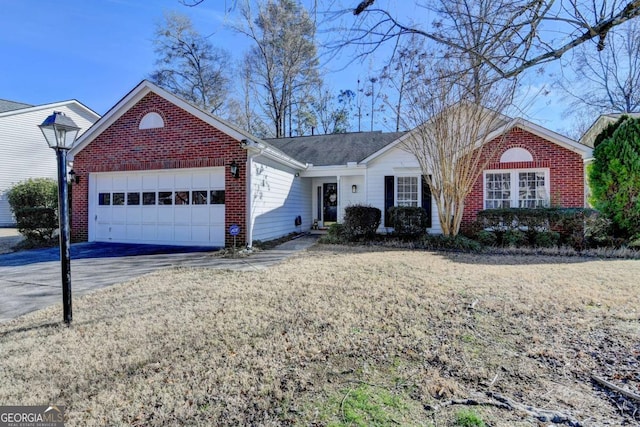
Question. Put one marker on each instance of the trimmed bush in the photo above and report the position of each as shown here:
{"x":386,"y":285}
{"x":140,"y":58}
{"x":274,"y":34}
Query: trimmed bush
{"x":409,"y":222}
{"x":531,"y":227}
{"x":455,"y":243}
{"x":486,"y":238}
{"x":34,"y":204}
{"x":361,"y":221}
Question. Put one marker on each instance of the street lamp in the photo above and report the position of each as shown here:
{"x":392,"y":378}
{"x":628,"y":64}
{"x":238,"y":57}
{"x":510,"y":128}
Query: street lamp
{"x":61,"y":132}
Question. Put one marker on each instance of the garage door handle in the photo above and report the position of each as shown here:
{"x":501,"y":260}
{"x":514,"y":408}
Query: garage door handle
{"x":96,"y":218}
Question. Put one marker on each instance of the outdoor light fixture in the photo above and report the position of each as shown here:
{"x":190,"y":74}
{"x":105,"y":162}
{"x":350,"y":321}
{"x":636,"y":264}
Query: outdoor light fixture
{"x":61,"y":132}
{"x":234,"y":168}
{"x":74,"y":177}
{"x":354,"y":188}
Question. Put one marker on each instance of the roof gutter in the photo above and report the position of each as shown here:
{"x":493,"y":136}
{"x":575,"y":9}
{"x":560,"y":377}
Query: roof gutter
{"x":270,"y":152}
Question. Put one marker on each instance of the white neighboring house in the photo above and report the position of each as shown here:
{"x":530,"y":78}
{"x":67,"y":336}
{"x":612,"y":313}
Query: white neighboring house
{"x":602,"y":122}
{"x":25,"y":153}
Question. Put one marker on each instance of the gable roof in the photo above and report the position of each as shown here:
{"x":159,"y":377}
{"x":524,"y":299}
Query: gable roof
{"x":503,"y":125}
{"x":6,"y":105}
{"x":334,"y":149}
{"x":144,"y":88}
{"x":53,"y":105}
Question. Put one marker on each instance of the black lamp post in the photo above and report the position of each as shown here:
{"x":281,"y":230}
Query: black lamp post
{"x":61,"y":132}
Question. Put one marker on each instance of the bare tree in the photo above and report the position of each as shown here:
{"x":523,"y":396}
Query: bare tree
{"x":608,"y":80}
{"x":189,"y":65}
{"x":523,"y":33}
{"x":452,"y":128}
{"x":404,"y":68}
{"x":454,"y":107}
{"x":283,"y":60}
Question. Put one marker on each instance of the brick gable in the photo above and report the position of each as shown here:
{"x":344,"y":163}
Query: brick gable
{"x":566,"y":170}
{"x":185,"y":141}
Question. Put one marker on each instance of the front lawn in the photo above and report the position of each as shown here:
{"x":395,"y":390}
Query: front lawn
{"x":342,"y":336}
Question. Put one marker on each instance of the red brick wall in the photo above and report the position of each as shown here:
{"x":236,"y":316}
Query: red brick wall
{"x":566,"y":170}
{"x":184,"y":142}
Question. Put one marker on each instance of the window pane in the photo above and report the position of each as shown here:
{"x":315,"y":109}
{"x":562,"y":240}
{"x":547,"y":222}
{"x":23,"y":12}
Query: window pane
{"x":217,"y":197}
{"x":133,"y":199}
{"x":497,"y":190}
{"x":118,"y":199}
{"x":407,"y":191}
{"x":165,"y":198}
{"x":532,"y":191}
{"x":149,"y":198}
{"x":104,"y":199}
{"x":199,"y":197}
{"x":182,"y":197}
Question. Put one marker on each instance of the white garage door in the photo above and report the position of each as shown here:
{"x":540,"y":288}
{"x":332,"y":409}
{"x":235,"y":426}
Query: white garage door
{"x":176,"y":207}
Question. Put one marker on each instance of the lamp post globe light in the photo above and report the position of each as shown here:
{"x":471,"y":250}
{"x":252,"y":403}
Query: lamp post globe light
{"x":61,"y":132}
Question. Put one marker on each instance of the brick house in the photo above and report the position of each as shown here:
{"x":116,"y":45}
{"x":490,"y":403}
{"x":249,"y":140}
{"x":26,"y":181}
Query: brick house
{"x":156,"y":169}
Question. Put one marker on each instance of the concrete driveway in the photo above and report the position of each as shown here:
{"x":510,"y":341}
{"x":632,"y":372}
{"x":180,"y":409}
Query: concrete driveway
{"x":31,"y":280}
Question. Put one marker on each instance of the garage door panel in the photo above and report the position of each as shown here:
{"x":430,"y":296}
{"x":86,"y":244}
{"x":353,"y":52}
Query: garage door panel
{"x":132,"y":209}
{"x":149,"y":182}
{"x":119,"y":182}
{"x":182,"y":181}
{"x":200,"y":233}
{"x":134,"y":215}
{"x":165,"y":181}
{"x":134,"y":232}
{"x":149,"y":232}
{"x":182,"y":215}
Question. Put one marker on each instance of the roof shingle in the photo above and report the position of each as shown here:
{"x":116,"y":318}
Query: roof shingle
{"x":334,"y":149}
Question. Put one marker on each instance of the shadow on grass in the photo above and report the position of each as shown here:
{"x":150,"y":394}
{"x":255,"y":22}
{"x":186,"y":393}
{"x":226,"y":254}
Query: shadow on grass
{"x":491,"y":256}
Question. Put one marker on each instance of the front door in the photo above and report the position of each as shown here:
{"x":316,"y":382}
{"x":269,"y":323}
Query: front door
{"x":330,"y":203}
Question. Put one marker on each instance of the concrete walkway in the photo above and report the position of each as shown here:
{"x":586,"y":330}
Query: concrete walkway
{"x":31,"y":280}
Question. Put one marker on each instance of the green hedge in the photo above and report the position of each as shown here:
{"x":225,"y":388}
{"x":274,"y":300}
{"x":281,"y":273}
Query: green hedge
{"x":542,"y":227}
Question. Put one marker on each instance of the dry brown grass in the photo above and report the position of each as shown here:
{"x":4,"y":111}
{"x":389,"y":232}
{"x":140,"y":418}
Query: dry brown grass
{"x":296,"y":344}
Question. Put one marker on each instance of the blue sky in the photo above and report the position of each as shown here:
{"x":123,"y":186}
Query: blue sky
{"x":96,"y":51}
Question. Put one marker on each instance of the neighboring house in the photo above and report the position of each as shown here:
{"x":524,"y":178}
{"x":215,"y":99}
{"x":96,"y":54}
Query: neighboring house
{"x":25,"y":153}
{"x":156,"y":169}
{"x":602,"y":122}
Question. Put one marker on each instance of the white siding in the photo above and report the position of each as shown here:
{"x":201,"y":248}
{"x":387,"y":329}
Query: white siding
{"x":277,"y":197}
{"x":396,"y":162}
{"x":25,"y":153}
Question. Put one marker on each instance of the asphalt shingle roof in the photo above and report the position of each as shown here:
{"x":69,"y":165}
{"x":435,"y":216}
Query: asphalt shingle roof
{"x":334,"y":149}
{"x":6,"y":105}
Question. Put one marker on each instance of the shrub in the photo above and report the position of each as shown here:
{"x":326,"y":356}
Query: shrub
{"x":514,"y":238}
{"x":568,"y":223}
{"x":361,"y":221}
{"x":335,"y":235}
{"x":546,"y":239}
{"x":458,"y":243}
{"x":615,"y":176}
{"x":34,"y":204}
{"x":486,"y":238}
{"x":409,"y":222}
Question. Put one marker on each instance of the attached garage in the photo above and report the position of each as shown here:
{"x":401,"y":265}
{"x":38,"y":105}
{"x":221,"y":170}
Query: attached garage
{"x":157,"y":170}
{"x":179,"y":207}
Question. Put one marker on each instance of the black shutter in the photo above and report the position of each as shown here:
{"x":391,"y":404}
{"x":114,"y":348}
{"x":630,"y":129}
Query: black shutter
{"x":389,"y":201}
{"x":426,"y":199}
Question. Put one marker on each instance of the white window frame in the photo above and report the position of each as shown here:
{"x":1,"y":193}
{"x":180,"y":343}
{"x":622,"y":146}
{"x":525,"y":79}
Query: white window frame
{"x":418,"y":190}
{"x":515,"y":184}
